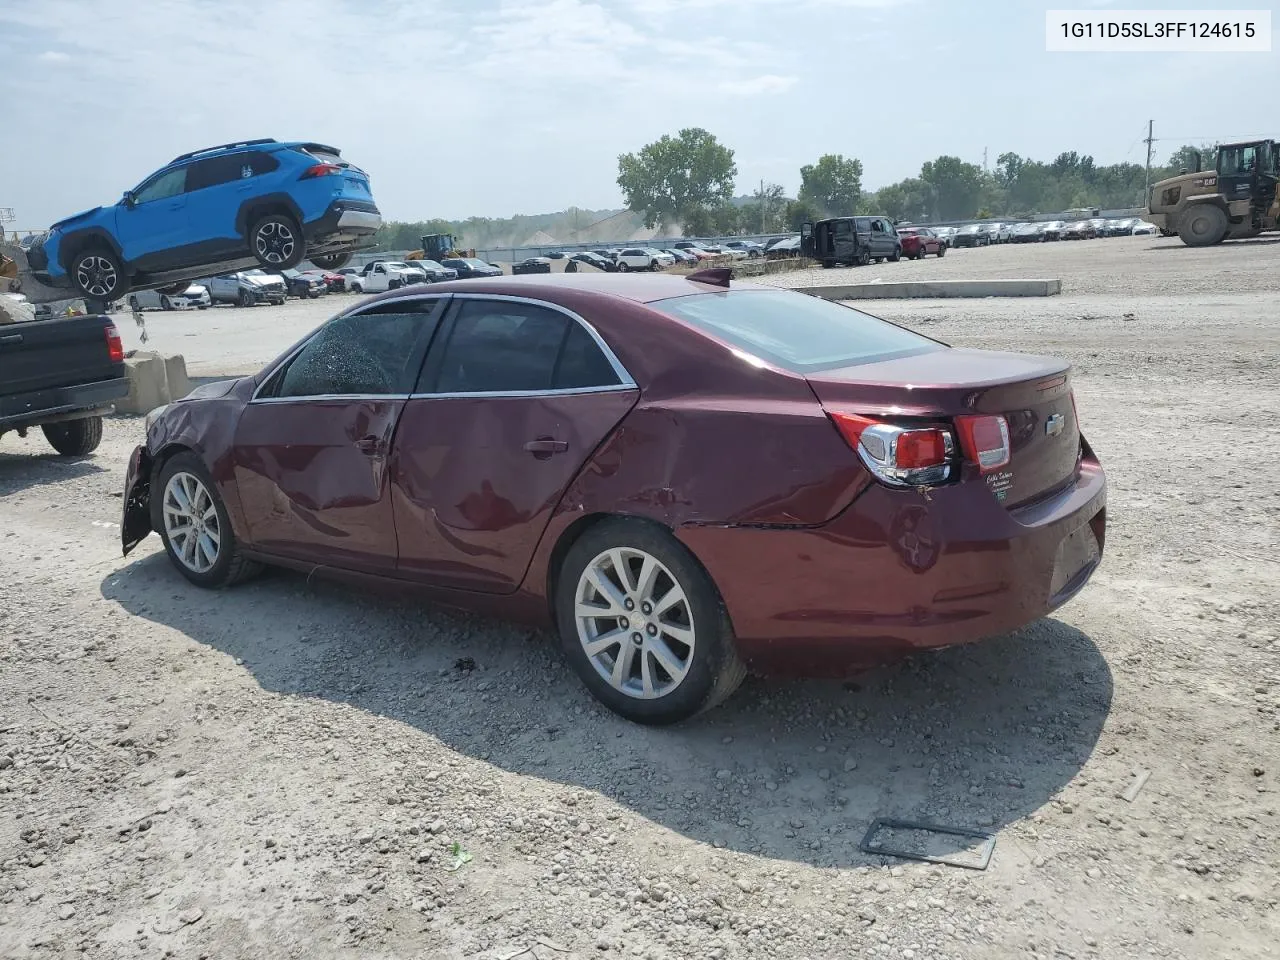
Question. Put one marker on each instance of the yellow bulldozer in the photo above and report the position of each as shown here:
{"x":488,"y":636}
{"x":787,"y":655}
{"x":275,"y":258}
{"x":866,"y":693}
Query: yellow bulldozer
{"x":1237,"y":198}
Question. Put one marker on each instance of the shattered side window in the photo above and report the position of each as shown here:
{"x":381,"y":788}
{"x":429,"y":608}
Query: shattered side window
{"x":373,"y":354}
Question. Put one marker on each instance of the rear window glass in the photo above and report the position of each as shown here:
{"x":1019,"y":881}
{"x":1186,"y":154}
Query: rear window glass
{"x":795,"y":331}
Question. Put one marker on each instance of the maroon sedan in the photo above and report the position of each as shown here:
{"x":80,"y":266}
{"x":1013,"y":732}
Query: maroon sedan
{"x":919,"y":242}
{"x":687,"y":477}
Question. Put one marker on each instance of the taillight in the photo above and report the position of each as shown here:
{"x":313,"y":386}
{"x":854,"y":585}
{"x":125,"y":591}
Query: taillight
{"x":899,"y":456}
{"x":320,"y":170}
{"x":115,"y":347}
{"x":985,"y":441}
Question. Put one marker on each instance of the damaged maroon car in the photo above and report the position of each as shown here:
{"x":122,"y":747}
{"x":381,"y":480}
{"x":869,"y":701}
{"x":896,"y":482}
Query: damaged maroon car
{"x":686,"y":477}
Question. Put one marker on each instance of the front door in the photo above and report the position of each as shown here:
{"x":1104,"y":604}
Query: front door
{"x":311,"y":449}
{"x":155,"y":222}
{"x":513,"y":400}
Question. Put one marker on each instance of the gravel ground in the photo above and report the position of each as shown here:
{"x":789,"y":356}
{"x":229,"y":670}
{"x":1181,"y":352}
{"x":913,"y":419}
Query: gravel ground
{"x":292,"y":769}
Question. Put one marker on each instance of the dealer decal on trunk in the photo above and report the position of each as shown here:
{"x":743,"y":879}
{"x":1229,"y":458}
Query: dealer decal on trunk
{"x":999,"y":483}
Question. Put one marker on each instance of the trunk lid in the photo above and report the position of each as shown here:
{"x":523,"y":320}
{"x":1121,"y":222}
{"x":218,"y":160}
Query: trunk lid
{"x":1032,"y":393}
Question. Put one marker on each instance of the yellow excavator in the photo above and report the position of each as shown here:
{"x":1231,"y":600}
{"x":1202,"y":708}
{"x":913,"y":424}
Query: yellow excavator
{"x":1236,"y":199}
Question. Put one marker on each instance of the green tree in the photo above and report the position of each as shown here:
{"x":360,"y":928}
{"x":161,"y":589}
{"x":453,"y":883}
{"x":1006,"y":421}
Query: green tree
{"x":957,"y":186}
{"x":832,"y":185}
{"x":669,"y":178}
{"x":1186,"y":156}
{"x":800,"y":211}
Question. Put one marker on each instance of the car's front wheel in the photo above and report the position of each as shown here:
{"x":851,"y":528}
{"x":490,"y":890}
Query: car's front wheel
{"x":643,"y":624}
{"x":193,"y":523}
{"x":276,"y":242}
{"x":98,"y":274}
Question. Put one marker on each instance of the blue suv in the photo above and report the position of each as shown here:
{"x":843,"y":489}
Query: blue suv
{"x":254,"y":203}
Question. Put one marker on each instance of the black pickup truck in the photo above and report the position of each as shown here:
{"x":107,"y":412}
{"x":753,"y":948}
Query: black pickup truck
{"x":61,"y":375}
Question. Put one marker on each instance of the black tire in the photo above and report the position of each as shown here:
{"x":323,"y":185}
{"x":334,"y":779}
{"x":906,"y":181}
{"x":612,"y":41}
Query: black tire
{"x":332,"y":261}
{"x":942,"y":250}
{"x":133,"y":304}
{"x":245,"y":299}
{"x":863,"y":258}
{"x":1203,"y":225}
{"x":715,"y":669}
{"x":74,"y":438}
{"x":623,"y":267}
{"x":276,"y":242}
{"x":896,"y":255}
{"x":231,"y":566}
{"x":97,"y":273}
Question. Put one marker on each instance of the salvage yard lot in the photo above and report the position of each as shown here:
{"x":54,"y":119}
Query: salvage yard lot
{"x":290,"y":768}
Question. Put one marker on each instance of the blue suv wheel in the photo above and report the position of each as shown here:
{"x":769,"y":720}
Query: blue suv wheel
{"x":98,"y":274}
{"x":276,"y":241}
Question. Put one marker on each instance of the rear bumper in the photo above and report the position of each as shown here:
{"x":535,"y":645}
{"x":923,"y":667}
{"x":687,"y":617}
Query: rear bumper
{"x":47,"y":406}
{"x":896,"y":573}
{"x":344,"y":220}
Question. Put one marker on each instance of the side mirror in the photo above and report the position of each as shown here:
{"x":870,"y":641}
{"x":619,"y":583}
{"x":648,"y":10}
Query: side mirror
{"x":129,"y":200}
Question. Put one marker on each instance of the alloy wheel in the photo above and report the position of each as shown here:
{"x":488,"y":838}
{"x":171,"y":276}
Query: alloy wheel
{"x":191,"y":522}
{"x":635,"y":623}
{"x":274,"y":242}
{"x":97,"y":276}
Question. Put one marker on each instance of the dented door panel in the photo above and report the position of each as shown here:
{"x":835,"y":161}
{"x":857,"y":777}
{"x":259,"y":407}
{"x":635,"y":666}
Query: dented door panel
{"x":312,"y":477}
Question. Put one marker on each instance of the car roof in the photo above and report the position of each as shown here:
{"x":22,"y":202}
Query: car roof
{"x":637,"y":287}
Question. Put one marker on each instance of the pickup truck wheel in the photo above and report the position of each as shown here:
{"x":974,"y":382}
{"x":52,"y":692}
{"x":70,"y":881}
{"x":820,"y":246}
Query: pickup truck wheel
{"x":276,"y":242}
{"x":98,"y":274}
{"x":332,"y":261}
{"x":74,"y":438}
{"x":193,"y":523}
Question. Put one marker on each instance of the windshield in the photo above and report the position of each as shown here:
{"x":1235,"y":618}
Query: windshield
{"x":795,"y":331}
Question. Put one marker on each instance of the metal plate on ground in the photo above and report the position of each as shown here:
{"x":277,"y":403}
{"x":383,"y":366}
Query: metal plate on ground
{"x":929,"y":842}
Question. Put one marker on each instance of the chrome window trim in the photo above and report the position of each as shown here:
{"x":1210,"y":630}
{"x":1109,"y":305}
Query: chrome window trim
{"x":625,"y":380}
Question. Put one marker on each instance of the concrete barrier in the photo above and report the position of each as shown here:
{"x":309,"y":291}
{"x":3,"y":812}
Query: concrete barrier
{"x":154,"y":380}
{"x":935,"y":289}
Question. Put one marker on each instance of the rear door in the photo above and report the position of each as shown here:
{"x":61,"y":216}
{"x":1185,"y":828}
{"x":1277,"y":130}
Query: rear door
{"x":311,"y":449}
{"x":216,"y":189}
{"x":514,"y":398}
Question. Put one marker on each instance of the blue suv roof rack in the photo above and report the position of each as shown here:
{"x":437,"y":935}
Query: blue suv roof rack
{"x":224,"y":146}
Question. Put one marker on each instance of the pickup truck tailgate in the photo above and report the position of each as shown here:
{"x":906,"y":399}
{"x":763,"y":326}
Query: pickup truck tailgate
{"x":63,"y":352}
{"x":52,"y":368}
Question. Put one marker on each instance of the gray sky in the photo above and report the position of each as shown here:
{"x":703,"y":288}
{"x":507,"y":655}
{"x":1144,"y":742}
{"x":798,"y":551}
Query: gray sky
{"x":497,"y":107}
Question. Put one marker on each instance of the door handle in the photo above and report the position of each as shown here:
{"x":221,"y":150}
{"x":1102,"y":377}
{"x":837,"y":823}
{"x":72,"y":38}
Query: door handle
{"x":545,"y":446}
{"x":373,"y":446}
{"x":12,"y":338}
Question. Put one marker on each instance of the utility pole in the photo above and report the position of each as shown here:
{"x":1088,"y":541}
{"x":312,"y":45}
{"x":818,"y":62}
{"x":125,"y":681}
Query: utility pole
{"x":762,"y":204}
{"x":1151,"y":126}
{"x":984,"y":160}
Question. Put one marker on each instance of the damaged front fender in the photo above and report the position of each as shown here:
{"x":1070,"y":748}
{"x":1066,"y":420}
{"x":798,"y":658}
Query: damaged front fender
{"x":135,"y":520}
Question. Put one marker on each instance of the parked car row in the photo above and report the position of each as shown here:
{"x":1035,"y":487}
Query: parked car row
{"x":985,"y":234}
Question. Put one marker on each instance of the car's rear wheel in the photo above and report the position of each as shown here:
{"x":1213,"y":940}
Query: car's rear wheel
{"x":332,"y":261}
{"x":74,"y":438}
{"x":643,"y":624}
{"x":276,"y":242}
{"x":624,"y":266}
{"x":97,"y":273}
{"x":193,"y":523}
